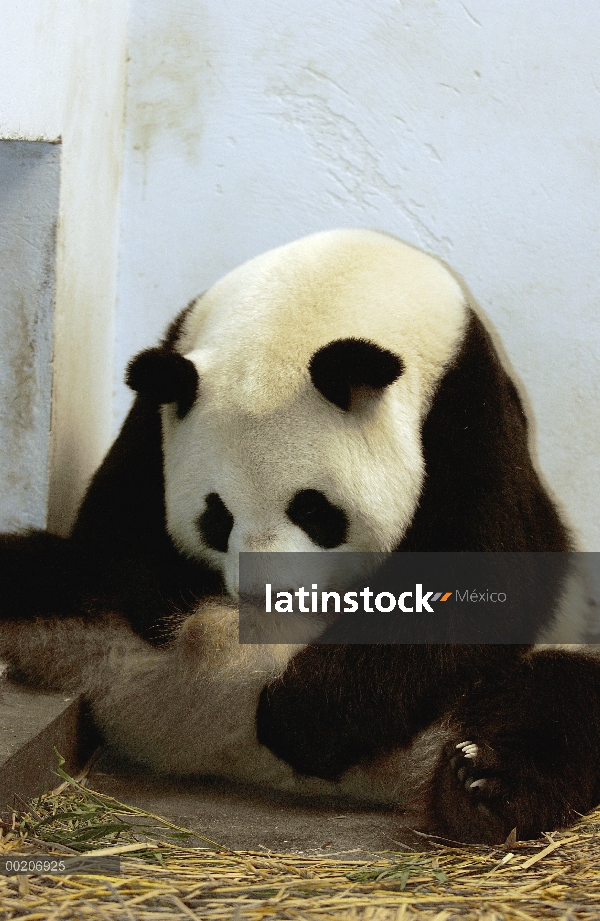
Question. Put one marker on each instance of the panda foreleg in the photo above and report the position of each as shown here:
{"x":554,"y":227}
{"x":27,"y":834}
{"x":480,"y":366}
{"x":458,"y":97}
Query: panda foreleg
{"x":524,"y":753}
{"x":336,"y":706}
{"x":38,"y":575}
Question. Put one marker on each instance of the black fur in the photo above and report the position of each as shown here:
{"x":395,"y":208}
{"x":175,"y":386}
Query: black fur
{"x":120,"y":536}
{"x":340,"y":367}
{"x":215,"y":523}
{"x":164,"y":376}
{"x":37,"y":576}
{"x":481,"y":490}
{"x":538,"y":751}
{"x":337,"y":705}
{"x":325,"y":523}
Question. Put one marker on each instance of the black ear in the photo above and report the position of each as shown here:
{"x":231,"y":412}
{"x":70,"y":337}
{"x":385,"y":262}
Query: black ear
{"x":336,"y":369}
{"x":164,"y":376}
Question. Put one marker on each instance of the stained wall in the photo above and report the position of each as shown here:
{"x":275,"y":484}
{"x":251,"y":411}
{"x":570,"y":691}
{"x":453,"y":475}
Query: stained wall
{"x":62,"y":79}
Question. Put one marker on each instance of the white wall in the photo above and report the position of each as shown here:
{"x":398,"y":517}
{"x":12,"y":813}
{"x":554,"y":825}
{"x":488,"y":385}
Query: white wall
{"x":471,"y":129}
{"x":62,"y":75}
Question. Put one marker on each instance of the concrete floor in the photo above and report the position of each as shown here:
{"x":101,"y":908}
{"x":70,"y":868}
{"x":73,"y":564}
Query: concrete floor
{"x":34,"y":723}
{"x":251,"y":818}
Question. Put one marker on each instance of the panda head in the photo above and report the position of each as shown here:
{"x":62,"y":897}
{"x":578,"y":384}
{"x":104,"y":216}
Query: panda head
{"x":293,"y":395}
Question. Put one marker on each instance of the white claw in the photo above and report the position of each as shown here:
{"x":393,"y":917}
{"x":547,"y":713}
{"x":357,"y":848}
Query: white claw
{"x":478,"y":783}
{"x":463,"y":744}
{"x":471,"y":751}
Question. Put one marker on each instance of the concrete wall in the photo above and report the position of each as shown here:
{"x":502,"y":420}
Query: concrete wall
{"x":29,"y":182}
{"x":471,"y":129}
{"x":62,"y":76}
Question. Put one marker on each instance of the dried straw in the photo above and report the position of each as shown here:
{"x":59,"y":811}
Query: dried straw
{"x":166,"y":878}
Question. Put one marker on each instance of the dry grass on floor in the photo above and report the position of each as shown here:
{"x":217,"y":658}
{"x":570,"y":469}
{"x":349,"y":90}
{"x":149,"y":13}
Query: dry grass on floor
{"x":166,"y":876}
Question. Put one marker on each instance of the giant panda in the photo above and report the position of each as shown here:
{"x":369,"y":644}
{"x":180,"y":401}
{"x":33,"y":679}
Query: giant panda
{"x":339,"y":393}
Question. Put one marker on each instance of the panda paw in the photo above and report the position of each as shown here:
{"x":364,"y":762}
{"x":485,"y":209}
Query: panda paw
{"x":470,"y":794}
{"x":475,"y":768}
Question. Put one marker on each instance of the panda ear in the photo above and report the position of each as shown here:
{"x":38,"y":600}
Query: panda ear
{"x":341,"y":366}
{"x":164,"y":376}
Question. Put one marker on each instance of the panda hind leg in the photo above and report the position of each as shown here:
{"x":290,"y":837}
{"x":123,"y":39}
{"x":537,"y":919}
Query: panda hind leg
{"x":524,"y":755}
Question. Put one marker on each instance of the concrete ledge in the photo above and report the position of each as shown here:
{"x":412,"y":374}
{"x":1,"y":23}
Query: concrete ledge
{"x":32,"y":724}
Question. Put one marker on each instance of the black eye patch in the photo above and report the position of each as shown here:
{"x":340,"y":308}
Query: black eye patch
{"x":325,"y":524}
{"x":215,"y":523}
